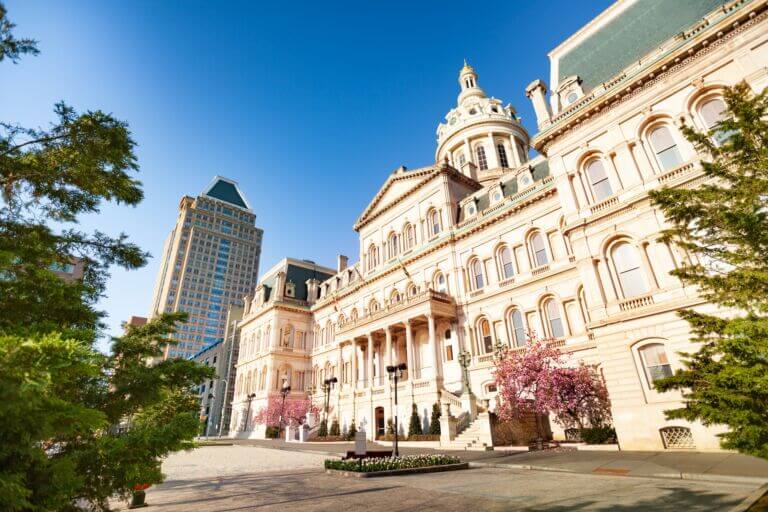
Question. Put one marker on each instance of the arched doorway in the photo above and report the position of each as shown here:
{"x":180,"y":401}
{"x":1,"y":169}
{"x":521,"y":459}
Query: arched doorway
{"x":379,"y":414}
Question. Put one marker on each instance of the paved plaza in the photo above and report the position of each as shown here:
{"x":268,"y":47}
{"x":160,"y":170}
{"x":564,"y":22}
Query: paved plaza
{"x":241,"y":477}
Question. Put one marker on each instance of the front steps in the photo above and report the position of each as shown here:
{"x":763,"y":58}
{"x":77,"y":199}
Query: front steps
{"x":475,"y":437}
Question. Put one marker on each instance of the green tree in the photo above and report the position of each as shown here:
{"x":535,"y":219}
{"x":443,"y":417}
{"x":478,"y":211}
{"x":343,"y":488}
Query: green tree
{"x":414,"y":427}
{"x":352,"y":431}
{"x":76,"y":424}
{"x":322,"y":430}
{"x":723,"y":225}
{"x":335,"y":430}
{"x":434,"y":421}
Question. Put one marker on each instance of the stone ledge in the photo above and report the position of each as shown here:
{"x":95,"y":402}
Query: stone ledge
{"x":398,"y":472}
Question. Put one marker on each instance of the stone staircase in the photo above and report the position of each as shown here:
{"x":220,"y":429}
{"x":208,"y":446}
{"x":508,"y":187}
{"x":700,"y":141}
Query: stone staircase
{"x":476,"y":436}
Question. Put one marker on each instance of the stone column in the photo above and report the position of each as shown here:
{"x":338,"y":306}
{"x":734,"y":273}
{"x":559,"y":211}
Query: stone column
{"x":409,"y":349}
{"x":369,"y":377}
{"x":492,"y":156}
{"x":387,"y":359}
{"x":435,"y":346}
{"x":354,"y":364}
{"x":642,"y":248}
{"x":516,"y":156}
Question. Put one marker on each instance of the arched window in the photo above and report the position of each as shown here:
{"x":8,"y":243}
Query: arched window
{"x":555,"y":322}
{"x":353,"y":314}
{"x":393,"y":244}
{"x":629,"y":270}
{"x":538,"y":250}
{"x":655,"y":362}
{"x":258,"y":341}
{"x":482,"y":162}
{"x":434,"y":221}
{"x":517,"y":328}
{"x":476,"y":270}
{"x":484,"y":335}
{"x":287,"y":340}
{"x":462,"y":159}
{"x":665,"y":148}
{"x":412,"y":291}
{"x":373,"y":256}
{"x":394,"y":298}
{"x":502,"y":155}
{"x":373,"y":306}
{"x":712,"y":113}
{"x":505,"y":263}
{"x":440,"y":284}
{"x":410,"y":236}
{"x":598,"y":179}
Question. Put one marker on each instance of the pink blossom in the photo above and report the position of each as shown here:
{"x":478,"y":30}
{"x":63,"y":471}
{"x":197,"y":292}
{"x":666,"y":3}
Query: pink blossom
{"x":292,"y":412}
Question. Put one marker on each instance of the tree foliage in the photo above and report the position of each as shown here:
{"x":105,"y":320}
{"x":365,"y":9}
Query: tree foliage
{"x":414,"y":427}
{"x":542,"y":380}
{"x":278,"y":413}
{"x":434,"y":422}
{"x":723,"y":225}
{"x":77,"y":427}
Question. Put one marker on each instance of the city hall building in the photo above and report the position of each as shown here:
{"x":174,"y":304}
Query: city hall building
{"x":466,"y":255}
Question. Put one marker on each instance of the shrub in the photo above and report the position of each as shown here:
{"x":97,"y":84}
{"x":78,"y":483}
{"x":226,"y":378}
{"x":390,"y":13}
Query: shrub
{"x":335,"y":430}
{"x":598,"y":435}
{"x":414,"y":428}
{"x":272,"y":433}
{"x":434,"y":422}
{"x":390,"y":427}
{"x":352,"y":431}
{"x":390,"y":463}
{"x":322,"y":430}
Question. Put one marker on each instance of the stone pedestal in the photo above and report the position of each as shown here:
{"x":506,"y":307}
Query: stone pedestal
{"x":469,"y":404}
{"x":290,"y":433}
{"x":304,"y":433}
{"x":360,"y":443}
{"x":448,"y":424}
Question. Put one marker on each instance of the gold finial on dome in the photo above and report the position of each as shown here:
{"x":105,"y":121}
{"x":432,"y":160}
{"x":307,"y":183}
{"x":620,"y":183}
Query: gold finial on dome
{"x":466,"y":68}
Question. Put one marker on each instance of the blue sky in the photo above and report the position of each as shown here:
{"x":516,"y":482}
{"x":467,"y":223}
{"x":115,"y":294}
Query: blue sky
{"x":308,"y":106}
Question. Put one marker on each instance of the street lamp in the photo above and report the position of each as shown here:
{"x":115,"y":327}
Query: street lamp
{"x":248,"y":411}
{"x":395,"y":373}
{"x":284,"y":392}
{"x":327,"y":385}
{"x":465,"y":359}
{"x":500,"y":349}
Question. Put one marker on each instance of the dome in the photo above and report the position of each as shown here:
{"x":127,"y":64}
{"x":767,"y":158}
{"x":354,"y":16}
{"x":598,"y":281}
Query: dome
{"x":478,"y":119}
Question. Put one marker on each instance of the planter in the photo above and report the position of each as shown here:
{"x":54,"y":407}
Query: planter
{"x":398,"y":472}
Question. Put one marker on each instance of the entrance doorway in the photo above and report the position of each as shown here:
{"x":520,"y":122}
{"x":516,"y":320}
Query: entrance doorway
{"x":379,"y":414}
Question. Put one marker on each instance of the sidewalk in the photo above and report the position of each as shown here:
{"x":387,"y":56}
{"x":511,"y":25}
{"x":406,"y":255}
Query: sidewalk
{"x":717,"y":467}
{"x":720,"y":467}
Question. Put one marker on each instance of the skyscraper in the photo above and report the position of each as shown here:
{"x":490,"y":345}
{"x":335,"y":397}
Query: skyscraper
{"x":210,"y":260}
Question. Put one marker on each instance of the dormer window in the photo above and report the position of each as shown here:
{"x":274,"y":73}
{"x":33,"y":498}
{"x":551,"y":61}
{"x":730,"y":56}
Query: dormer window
{"x":571,"y":98}
{"x":471,"y":210}
{"x":472,"y":111}
{"x":290,"y":289}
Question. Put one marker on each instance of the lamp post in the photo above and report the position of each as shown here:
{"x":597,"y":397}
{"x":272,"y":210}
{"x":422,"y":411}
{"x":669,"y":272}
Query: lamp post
{"x":500,"y":349}
{"x":284,"y":392}
{"x":327,"y":385}
{"x":248,"y":411}
{"x":209,"y":405}
{"x":396,"y":372}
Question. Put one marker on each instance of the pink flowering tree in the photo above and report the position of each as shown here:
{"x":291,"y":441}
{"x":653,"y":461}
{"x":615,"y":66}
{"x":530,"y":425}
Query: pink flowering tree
{"x":292,"y":412}
{"x":579,"y":398}
{"x":539,"y":380}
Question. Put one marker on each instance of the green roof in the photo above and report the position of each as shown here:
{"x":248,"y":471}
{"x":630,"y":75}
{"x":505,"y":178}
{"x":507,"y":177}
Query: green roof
{"x":227,"y":192}
{"x":628,"y":37}
{"x":299,"y":276}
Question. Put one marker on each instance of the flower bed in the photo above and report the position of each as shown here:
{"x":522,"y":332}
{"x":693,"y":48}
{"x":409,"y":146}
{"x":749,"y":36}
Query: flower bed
{"x":390,"y":463}
{"x":416,"y":437}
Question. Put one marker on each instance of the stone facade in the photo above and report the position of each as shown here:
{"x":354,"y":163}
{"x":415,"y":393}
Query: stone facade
{"x":462,"y":257}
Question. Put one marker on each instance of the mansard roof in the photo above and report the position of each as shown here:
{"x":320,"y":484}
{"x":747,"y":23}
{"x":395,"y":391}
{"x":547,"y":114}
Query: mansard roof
{"x":628,"y":36}
{"x":226,"y":190}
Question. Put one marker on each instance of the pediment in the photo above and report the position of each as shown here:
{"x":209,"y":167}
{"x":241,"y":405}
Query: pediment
{"x":398,"y":185}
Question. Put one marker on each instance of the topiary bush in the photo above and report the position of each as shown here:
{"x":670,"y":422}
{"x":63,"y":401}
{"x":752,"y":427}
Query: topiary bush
{"x":352,"y":431}
{"x":414,"y":428}
{"x":390,"y":427}
{"x":434,"y":421}
{"x":272,"y":433}
{"x":322,"y":430}
{"x":335,"y":430}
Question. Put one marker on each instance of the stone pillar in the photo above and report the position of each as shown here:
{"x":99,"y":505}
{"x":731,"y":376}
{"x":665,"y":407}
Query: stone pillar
{"x":409,"y":350}
{"x":517,"y":158}
{"x":435,"y":347}
{"x":369,"y":377}
{"x":492,"y":156}
{"x":387,"y":360}
{"x":275,"y":338}
{"x":537,"y":91}
{"x":354,"y":364}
